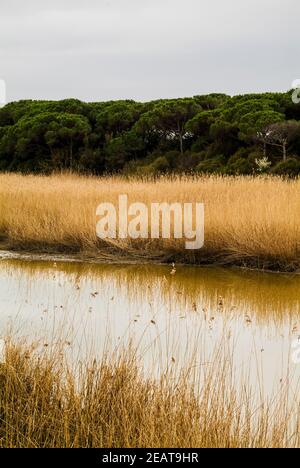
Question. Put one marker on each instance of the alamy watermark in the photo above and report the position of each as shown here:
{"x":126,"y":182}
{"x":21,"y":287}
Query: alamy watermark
{"x":160,"y":220}
{"x":2,"y":93}
{"x":296,"y":93}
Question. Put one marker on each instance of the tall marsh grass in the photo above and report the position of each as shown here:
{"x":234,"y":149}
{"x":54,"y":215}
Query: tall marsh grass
{"x":248,"y":221}
{"x":112,"y":404}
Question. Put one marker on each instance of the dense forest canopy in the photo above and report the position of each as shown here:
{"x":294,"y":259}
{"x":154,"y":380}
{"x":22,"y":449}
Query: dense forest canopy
{"x":213,"y":133}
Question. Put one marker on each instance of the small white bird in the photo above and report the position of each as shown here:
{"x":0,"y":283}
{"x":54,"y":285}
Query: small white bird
{"x":173,"y":271}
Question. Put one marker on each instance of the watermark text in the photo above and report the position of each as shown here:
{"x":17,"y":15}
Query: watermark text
{"x":161,"y":220}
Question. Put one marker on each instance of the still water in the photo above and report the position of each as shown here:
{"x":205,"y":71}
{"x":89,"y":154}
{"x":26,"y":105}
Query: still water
{"x":172,"y":318}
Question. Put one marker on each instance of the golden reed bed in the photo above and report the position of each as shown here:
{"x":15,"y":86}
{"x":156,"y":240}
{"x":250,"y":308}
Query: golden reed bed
{"x":249,"y":221}
{"x":112,"y":404}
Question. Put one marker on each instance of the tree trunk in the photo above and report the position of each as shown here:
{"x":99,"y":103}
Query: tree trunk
{"x":265,"y":149}
{"x":180,"y":132}
{"x":181,"y":143}
{"x":284,"y":151}
{"x":71,"y":154}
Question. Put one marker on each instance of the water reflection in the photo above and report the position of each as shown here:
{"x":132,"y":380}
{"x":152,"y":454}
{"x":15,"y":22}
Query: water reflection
{"x":174,"y":318}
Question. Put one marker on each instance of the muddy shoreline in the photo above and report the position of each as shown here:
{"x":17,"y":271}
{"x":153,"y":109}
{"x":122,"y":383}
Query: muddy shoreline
{"x":116,"y":256}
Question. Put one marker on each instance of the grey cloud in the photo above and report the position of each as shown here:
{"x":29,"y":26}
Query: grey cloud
{"x":146,"y":49}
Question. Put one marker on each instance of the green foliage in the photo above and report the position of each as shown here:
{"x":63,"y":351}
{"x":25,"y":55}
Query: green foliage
{"x":240,"y":166}
{"x":253,"y":122}
{"x":213,"y":165}
{"x":290,"y":167}
{"x":168,"y":119}
{"x":160,"y":164}
{"x":200,"y":124}
{"x":167,"y":135}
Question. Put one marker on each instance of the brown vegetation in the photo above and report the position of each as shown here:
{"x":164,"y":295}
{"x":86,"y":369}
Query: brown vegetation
{"x":249,"y":221}
{"x":111,"y":404}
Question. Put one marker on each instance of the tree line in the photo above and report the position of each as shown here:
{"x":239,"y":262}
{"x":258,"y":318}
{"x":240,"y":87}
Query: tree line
{"x":212,"y":133}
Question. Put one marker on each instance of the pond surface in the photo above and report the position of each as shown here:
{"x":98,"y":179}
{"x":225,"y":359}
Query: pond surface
{"x":173,"y":318}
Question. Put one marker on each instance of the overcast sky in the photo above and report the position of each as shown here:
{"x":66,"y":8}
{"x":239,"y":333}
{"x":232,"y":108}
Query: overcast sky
{"x":147,"y":49}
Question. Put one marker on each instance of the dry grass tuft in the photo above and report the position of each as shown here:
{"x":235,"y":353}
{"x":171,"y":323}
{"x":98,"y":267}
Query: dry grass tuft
{"x":111,"y":404}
